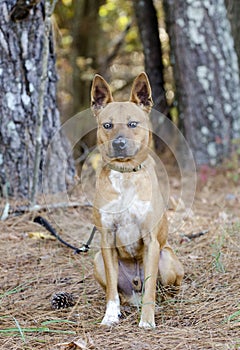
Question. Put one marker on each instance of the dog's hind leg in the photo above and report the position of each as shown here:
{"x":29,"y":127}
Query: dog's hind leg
{"x":170,"y":271}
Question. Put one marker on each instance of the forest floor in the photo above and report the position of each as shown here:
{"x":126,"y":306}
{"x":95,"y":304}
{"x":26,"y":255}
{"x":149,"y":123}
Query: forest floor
{"x":204,"y":315}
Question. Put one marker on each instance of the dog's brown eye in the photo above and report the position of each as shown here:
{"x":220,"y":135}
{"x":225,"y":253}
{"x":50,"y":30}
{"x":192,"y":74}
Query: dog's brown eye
{"x":107,"y":125}
{"x":132,"y":124}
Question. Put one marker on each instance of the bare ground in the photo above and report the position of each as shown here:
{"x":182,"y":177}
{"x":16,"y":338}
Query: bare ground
{"x":205,"y":314}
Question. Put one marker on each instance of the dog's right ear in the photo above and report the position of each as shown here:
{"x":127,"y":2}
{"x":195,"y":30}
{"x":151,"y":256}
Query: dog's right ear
{"x":100,"y":94}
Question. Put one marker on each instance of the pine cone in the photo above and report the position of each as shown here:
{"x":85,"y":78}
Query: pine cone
{"x":62,"y":300}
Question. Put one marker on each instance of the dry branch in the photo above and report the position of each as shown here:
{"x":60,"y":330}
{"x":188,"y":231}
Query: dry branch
{"x":5,"y":211}
{"x":19,"y":210}
{"x":188,"y":238}
{"x":117,"y":46}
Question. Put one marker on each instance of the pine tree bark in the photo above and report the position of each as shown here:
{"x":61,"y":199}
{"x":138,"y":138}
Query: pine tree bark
{"x":233,"y":10}
{"x":207,"y":77}
{"x":20,"y":77}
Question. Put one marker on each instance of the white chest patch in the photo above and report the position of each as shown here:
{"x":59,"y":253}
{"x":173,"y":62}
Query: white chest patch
{"x":126,"y":213}
{"x":116,"y":179}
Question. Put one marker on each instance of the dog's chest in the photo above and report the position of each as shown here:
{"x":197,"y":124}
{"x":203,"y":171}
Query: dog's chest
{"x":125,"y":213}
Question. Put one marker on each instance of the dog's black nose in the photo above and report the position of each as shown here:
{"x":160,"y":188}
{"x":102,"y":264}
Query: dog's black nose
{"x":119,"y":143}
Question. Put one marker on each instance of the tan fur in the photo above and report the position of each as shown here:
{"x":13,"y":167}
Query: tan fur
{"x":128,"y":209}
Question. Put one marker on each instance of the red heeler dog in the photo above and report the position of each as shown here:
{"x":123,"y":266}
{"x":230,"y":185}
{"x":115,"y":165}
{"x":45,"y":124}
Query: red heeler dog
{"x":128,"y":209}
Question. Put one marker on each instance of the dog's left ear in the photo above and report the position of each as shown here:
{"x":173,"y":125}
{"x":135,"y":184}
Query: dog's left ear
{"x":141,"y":93}
{"x":100,"y":94}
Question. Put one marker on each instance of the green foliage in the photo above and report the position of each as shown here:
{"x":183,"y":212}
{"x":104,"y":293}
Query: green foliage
{"x":64,"y":13}
{"x":115,"y":16}
{"x":115,"y":12}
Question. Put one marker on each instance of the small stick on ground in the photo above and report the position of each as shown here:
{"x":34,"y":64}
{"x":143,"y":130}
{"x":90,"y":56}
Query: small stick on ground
{"x":187,"y":238}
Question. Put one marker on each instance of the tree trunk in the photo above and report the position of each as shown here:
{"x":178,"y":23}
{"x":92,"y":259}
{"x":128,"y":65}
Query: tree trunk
{"x":206,"y":73}
{"x":233,"y":10}
{"x":85,"y":30}
{"x":20,"y":75}
{"x":148,"y":29}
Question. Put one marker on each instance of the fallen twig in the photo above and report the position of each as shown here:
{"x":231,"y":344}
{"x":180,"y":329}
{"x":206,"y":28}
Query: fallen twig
{"x":19,"y":210}
{"x":188,"y":238}
{"x":5,"y":211}
{"x":116,"y":47}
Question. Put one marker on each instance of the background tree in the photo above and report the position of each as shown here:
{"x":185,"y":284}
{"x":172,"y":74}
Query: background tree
{"x":90,"y":44}
{"x":86,"y":32}
{"x":21,"y":57}
{"x":147,"y":22}
{"x":206,"y":74}
{"x":97,"y":36}
{"x":233,"y":10}
{"x":148,"y":29}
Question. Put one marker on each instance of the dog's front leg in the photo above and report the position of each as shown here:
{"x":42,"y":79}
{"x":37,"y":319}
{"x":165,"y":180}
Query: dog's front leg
{"x":112,"y":313}
{"x":150,"y":260}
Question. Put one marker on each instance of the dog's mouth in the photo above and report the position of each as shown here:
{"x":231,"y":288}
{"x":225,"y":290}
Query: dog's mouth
{"x":121,"y":150}
{"x":123,"y":155}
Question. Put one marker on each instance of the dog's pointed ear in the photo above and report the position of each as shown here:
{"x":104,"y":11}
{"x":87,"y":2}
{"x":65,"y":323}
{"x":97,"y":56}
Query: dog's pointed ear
{"x":100,"y":94}
{"x":141,"y":93}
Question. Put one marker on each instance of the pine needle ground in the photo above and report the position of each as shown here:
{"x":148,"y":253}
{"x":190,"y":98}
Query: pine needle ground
{"x":205,"y":314}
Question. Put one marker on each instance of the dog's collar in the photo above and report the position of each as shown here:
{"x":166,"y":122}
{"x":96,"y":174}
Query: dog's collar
{"x":123,"y":169}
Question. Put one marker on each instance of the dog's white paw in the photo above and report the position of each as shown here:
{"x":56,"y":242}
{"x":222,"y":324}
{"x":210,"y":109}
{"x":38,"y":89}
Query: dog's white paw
{"x":146,"y":325}
{"x":112,"y":314}
{"x":110,"y":320}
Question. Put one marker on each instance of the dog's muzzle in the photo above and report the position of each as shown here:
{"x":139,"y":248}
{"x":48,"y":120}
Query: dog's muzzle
{"x":122,"y":148}
{"x":119,"y":146}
